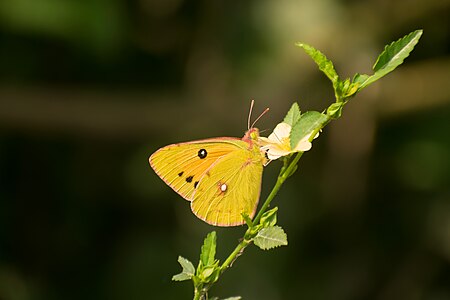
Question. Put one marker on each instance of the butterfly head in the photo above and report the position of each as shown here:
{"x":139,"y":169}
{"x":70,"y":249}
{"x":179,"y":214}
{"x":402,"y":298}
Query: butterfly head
{"x":251,"y":135}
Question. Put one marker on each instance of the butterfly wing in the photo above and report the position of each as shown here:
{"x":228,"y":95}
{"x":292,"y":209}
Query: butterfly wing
{"x":222,"y":177}
{"x":229,"y":188}
{"x":182,"y":165}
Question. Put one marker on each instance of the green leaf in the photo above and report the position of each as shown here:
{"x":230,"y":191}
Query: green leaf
{"x":360,"y":78}
{"x":309,"y":122}
{"x":345,"y":89}
{"x":335,"y":109}
{"x":247,"y":219}
{"x":392,"y":56}
{"x":209,"y":274}
{"x":188,"y":270}
{"x":270,"y":237}
{"x":269,"y":218}
{"x":181,"y":277}
{"x":293,"y":114}
{"x":208,"y":253}
{"x":325,"y":65}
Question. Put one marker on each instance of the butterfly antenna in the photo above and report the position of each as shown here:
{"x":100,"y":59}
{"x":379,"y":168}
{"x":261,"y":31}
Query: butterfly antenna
{"x":262,"y":114}
{"x":250,"y":114}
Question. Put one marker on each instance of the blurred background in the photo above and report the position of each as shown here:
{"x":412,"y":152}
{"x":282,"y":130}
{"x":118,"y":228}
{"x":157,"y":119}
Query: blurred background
{"x":89,"y":89}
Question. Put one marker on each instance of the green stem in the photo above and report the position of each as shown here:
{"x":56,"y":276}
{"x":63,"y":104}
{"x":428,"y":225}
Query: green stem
{"x":234,"y":255}
{"x":284,"y":174}
{"x":200,"y":293}
{"x":197,"y":294}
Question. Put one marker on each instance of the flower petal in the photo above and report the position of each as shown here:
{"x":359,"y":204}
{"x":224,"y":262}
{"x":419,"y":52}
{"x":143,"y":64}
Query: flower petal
{"x":275,"y":153}
{"x":281,"y":131}
{"x":303,"y":145}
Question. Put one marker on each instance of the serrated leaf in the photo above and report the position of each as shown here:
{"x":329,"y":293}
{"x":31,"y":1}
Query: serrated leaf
{"x":293,"y":114}
{"x":309,"y":121}
{"x":270,"y":237}
{"x":187,"y":272}
{"x":208,"y":252}
{"x":181,"y":277}
{"x":393,"y":55}
{"x":325,"y":65}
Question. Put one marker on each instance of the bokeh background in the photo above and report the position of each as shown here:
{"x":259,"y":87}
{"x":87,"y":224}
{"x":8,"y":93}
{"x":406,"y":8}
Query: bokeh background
{"x":89,"y":89}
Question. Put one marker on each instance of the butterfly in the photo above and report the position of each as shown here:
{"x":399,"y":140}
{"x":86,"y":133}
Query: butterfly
{"x":221,"y":177}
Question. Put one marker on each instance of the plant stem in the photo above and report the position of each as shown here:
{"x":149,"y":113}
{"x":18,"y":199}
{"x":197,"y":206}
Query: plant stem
{"x":234,"y":255}
{"x":284,"y":174}
{"x":197,"y":294}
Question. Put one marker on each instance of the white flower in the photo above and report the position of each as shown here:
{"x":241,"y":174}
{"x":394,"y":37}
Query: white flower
{"x":279,"y":144}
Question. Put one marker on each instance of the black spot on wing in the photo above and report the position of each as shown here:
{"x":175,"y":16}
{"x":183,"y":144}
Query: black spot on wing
{"x":181,"y":173}
{"x":195,"y":184}
{"x":189,"y":178}
{"x":202,"y":153}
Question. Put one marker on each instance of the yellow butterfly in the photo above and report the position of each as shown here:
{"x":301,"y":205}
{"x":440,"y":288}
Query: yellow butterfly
{"x":221,"y":177}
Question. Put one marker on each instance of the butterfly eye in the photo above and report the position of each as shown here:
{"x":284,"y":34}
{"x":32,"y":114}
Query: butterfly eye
{"x":202,"y":153}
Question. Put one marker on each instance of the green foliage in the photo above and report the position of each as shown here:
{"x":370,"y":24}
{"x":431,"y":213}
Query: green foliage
{"x":309,"y":123}
{"x":269,"y":218}
{"x":262,"y":230}
{"x":325,"y":65}
{"x":208,"y":253}
{"x":392,"y":56}
{"x":270,"y":237}
{"x":208,"y":268}
{"x":247,"y":220}
{"x":335,"y":110}
{"x":188,"y":270}
{"x":293,"y":115}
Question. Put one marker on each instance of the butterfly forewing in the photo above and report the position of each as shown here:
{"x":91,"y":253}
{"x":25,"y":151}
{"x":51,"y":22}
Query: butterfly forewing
{"x":182,"y":165}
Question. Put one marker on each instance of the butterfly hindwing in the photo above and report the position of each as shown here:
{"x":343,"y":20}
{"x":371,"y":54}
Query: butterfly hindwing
{"x":229,"y":188}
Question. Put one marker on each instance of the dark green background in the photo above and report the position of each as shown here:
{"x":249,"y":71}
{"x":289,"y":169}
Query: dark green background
{"x":89,"y":89}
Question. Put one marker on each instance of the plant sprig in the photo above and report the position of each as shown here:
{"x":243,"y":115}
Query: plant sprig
{"x":262,"y":230}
